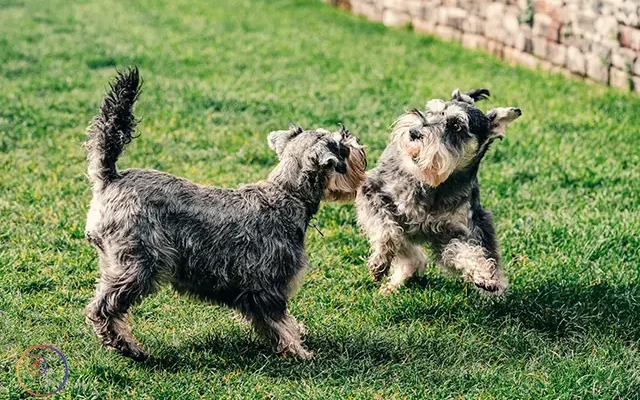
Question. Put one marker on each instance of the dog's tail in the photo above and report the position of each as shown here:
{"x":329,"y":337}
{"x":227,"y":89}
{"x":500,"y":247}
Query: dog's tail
{"x":112,"y":128}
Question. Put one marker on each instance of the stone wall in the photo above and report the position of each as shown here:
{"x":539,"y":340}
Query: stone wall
{"x":597,"y":39}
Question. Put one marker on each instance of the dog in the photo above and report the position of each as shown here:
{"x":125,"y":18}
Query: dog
{"x":424,"y":190}
{"x":243,"y":248}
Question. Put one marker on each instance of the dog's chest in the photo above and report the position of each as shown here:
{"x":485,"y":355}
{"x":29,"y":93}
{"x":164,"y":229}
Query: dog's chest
{"x":422,"y":211}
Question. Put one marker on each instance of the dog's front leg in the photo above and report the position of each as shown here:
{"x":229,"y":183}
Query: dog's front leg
{"x":469,"y":258}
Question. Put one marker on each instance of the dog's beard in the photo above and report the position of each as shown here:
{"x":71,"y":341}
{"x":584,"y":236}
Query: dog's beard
{"x":427,"y":157}
{"x":343,"y":187}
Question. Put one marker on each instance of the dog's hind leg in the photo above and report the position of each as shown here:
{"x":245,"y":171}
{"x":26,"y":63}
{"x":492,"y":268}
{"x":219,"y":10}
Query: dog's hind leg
{"x":270,"y":318}
{"x":122,"y":283}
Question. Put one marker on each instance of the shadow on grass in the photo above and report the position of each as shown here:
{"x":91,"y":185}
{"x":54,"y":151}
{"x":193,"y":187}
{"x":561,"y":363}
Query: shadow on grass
{"x":554,"y":309}
{"x":557,"y":309}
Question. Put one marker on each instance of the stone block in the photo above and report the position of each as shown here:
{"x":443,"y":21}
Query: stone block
{"x":636,"y":67}
{"x":630,"y":37}
{"x":473,"y":24}
{"x":448,"y":33}
{"x":557,"y":53}
{"x":597,"y":68}
{"x":472,"y":41}
{"x":576,"y":62}
{"x":523,"y":41}
{"x":540,"y":47}
{"x":607,"y":27}
{"x":422,"y":26}
{"x":623,"y":58}
{"x":496,"y":48}
{"x":544,"y":25}
{"x":367,"y":10}
{"x":619,"y":78}
{"x":393,"y":18}
{"x":635,"y":81}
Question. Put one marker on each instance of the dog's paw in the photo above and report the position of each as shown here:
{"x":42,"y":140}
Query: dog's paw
{"x":304,"y":354}
{"x":388,"y":289}
{"x":491,"y":287}
{"x":130,"y":350}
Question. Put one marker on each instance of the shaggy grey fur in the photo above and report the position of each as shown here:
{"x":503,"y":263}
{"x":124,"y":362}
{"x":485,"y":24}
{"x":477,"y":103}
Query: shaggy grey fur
{"x":424,"y":190}
{"x":243,"y":247}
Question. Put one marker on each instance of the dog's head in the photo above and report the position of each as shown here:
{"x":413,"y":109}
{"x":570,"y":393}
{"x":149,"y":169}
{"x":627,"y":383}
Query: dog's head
{"x":449,"y":136}
{"x":338,"y":154}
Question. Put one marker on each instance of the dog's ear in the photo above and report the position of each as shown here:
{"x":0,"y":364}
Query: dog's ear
{"x":471,"y":96}
{"x":337,"y":162}
{"x":499,"y":120}
{"x":278,"y":139}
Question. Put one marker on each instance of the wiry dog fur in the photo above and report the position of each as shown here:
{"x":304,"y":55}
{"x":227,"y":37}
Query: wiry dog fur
{"x":424,"y":190}
{"x":240,"y":247}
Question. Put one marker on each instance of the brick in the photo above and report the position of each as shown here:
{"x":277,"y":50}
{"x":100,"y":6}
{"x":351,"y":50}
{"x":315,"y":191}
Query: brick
{"x":494,"y":12}
{"x":544,"y":25}
{"x":397,"y":5}
{"x":415,"y":9}
{"x":623,"y":58}
{"x":395,"y":18}
{"x":422,"y":26}
{"x":630,"y":37}
{"x":636,"y":67}
{"x":367,"y":10}
{"x":540,"y":47}
{"x":510,"y":23}
{"x":473,"y":25}
{"x":619,"y":78}
{"x":473,"y":41}
{"x":527,"y":60}
{"x":635,"y":80}
{"x":607,"y":27}
{"x":510,"y":55}
{"x":496,"y":48}
{"x":557,"y":53}
{"x":597,"y":68}
{"x":576,"y":61}
{"x":448,"y":33}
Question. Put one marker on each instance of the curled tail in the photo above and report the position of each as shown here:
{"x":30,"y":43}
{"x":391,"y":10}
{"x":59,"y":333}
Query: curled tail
{"x":112,"y":128}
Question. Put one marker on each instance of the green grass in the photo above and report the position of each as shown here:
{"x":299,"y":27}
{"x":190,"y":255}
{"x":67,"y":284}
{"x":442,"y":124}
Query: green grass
{"x":563,"y":187}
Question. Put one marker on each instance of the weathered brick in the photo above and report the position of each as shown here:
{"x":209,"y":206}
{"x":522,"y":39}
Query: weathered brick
{"x":630,"y":37}
{"x":367,"y":10}
{"x":607,"y":27}
{"x":422,"y":26}
{"x":395,"y":18}
{"x":473,"y":25}
{"x":597,"y":68}
{"x":544,"y":25}
{"x":448,"y":33}
{"x":523,"y":40}
{"x":494,"y":12}
{"x":623,"y":58}
{"x":510,"y":22}
{"x":575,"y":61}
{"x":557,"y":53}
{"x":636,"y":83}
{"x":540,"y":47}
{"x":496,"y":48}
{"x":619,"y":78}
{"x":456,"y":18}
{"x":472,"y":41}
{"x":636,"y":67}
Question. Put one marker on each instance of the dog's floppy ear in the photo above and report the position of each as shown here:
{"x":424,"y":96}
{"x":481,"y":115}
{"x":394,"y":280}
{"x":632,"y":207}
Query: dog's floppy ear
{"x":278,"y":139}
{"x":499,"y":120}
{"x":471,"y":96}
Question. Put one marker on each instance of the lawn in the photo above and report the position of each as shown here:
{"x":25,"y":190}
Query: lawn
{"x":563,"y":187}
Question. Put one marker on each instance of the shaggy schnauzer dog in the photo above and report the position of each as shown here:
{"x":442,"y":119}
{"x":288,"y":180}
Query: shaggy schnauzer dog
{"x":242,"y":247}
{"x":424,"y":190}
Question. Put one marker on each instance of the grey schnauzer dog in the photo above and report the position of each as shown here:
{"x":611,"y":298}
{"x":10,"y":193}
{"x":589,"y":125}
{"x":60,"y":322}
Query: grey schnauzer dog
{"x":242,"y":247}
{"x":424,"y":190}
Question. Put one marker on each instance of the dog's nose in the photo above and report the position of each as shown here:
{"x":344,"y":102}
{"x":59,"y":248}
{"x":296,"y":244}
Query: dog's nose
{"x":415,"y":133}
{"x":518,"y":111}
